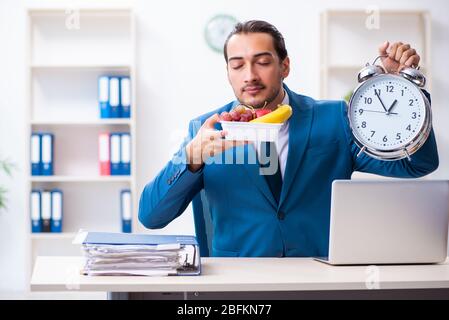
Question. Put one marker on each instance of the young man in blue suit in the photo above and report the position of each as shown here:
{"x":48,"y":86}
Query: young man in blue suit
{"x":315,"y":147}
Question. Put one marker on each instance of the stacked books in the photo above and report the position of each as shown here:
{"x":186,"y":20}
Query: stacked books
{"x":115,"y":254}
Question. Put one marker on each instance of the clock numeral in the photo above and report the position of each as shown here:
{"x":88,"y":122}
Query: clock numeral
{"x":402,"y":93}
{"x":385,"y":139}
{"x":398,"y":136}
{"x":360,"y":111}
{"x":410,"y":102}
{"x":364,"y":124}
{"x":377,"y":92}
{"x":409,"y":128}
{"x":413,"y":115}
{"x":372,"y":133}
{"x":368,"y":100}
{"x":390,"y":88}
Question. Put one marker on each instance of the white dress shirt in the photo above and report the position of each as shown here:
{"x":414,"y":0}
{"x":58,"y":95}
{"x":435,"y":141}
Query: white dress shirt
{"x":282,"y":144}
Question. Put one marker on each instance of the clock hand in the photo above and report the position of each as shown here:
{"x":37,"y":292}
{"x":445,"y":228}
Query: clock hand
{"x":381,"y":102}
{"x":364,"y":110}
{"x":392,"y":106}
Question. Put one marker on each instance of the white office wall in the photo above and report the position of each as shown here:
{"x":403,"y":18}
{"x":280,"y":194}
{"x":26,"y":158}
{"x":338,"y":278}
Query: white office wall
{"x":12,"y":145}
{"x":179,"y":78}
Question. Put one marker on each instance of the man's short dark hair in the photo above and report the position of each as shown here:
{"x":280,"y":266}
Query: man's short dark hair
{"x":259,"y":26}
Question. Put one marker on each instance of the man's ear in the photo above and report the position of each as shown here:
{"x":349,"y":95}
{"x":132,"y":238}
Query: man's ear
{"x":285,"y":66}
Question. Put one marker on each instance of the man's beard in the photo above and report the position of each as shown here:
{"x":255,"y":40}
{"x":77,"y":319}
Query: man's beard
{"x":264,"y":103}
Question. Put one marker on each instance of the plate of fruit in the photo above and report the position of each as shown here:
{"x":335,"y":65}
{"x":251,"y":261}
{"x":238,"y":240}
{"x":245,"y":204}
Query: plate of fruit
{"x":250,"y":124}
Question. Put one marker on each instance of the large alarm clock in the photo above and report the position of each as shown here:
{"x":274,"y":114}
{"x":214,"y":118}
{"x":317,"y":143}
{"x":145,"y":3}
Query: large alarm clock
{"x":389,"y":115}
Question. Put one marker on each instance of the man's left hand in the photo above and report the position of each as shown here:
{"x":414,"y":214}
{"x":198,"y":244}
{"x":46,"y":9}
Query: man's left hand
{"x":398,"y":57}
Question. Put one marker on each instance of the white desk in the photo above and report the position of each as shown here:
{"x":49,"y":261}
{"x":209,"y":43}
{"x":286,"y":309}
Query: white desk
{"x":254,"y":278}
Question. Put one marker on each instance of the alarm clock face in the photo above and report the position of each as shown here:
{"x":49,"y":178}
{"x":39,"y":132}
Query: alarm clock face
{"x":387,"y":112}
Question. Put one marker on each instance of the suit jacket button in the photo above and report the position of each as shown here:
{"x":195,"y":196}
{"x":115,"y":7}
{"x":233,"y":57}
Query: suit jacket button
{"x":281,"y":215}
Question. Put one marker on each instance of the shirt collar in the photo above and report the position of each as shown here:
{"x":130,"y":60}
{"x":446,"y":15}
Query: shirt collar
{"x":286,"y":98}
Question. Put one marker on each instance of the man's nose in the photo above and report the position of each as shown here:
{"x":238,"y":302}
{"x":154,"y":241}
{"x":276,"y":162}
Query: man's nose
{"x":251,"y":74}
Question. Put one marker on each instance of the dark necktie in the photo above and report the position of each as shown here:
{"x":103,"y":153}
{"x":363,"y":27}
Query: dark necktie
{"x":271,"y":168}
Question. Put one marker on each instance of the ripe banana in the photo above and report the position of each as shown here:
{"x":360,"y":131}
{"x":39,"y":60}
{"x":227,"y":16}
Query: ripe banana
{"x":280,"y":115}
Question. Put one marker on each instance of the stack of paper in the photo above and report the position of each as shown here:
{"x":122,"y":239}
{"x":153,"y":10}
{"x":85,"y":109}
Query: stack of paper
{"x":139,"y":254}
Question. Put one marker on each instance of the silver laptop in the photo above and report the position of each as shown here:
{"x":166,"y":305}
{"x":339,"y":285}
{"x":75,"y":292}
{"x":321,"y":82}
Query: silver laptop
{"x":388,"y":222}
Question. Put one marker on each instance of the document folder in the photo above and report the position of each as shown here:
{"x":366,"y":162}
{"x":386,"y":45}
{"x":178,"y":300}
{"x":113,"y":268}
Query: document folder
{"x":104,"y":154}
{"x":36,"y":211}
{"x":126,"y":210}
{"x":114,"y":97}
{"x":36,"y":151}
{"x":115,"y":154}
{"x":47,"y":154}
{"x":46,"y":211}
{"x":103,"y":97}
{"x":125,"y":154}
{"x":56,"y":210}
{"x":140,"y":254}
{"x":125,"y":97}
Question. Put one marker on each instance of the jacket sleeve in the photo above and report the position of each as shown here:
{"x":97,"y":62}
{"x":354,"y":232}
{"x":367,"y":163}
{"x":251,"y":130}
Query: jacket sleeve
{"x":423,"y":161}
{"x":168,"y":195}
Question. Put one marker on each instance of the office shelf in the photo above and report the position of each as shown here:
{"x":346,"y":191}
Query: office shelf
{"x":64,"y":63}
{"x":87,"y":9}
{"x":94,"y":66}
{"x":95,"y":122}
{"x":349,"y":41}
{"x":81,"y":179}
{"x":52,"y":236}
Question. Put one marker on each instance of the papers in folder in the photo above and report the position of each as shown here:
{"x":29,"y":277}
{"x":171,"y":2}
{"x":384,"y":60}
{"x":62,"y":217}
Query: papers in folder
{"x":140,"y":254}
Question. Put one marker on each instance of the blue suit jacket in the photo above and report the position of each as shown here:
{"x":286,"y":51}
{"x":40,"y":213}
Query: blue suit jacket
{"x":246,"y":219}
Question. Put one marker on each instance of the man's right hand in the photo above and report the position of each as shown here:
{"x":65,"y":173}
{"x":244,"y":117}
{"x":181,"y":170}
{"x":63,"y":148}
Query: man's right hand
{"x":207,"y":143}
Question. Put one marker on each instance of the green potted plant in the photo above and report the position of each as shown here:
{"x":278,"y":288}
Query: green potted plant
{"x":5,"y":167}
{"x":348,"y":96}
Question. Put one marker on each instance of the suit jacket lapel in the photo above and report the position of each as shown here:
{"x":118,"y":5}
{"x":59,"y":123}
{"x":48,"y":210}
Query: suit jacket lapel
{"x":250,"y":163}
{"x":299,"y":131}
